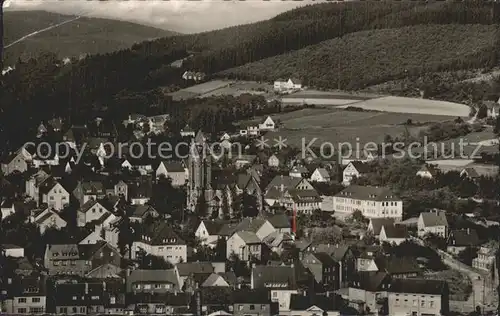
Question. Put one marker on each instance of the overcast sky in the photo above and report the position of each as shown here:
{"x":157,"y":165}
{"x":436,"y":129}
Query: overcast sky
{"x":176,"y":15}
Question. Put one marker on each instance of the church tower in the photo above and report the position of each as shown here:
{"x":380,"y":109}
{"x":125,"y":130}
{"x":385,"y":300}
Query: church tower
{"x":199,"y":170}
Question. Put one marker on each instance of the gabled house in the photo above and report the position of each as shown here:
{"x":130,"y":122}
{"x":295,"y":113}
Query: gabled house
{"x":427,"y":172}
{"x":476,"y":171}
{"x":153,"y":281}
{"x":267,"y":125}
{"x":291,"y":192}
{"x":355,"y":169}
{"x":393,"y":234}
{"x":398,"y":267}
{"x":274,"y":161}
{"x":324,"y":269}
{"x":140,"y":212}
{"x":277,"y":242}
{"x":18,"y":161}
{"x":47,"y":218}
{"x":93,"y":210}
{"x":461,"y":239}
{"x":283,"y":85}
{"x":281,"y":223}
{"x":80,"y":298}
{"x":29,"y":296}
{"x":434,"y":222}
{"x":54,"y":195}
{"x":140,"y":191}
{"x":281,"y":281}
{"x":160,"y":240}
{"x":244,"y":244}
{"x":320,"y":175}
{"x":215,"y":279}
{"x":375,"y":225}
{"x":299,"y":172}
{"x":367,"y":290}
{"x":244,"y":160}
{"x":89,"y":190}
{"x":73,"y":259}
{"x":173,"y":170}
{"x":208,"y":232}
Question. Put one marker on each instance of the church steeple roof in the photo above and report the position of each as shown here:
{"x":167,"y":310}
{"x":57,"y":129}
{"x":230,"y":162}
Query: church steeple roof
{"x":200,"y":137}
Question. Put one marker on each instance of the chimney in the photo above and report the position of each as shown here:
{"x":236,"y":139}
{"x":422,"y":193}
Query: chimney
{"x":86,"y":288}
{"x":468,"y":231}
{"x":327,"y":293}
{"x":103,"y":286}
{"x":282,"y":187}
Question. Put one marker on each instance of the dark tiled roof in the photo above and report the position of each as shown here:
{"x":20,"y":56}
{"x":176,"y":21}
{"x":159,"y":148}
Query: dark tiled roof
{"x":257,"y":296}
{"x":377,"y":224}
{"x":395,"y":231}
{"x":370,"y":280}
{"x":188,"y":268}
{"x":431,"y":219}
{"x":360,"y":166}
{"x":160,"y":276}
{"x":395,"y":265}
{"x":463,"y":237}
{"x":160,"y":233}
{"x":325,"y":258}
{"x":274,"y":277}
{"x":369,"y":193}
{"x":279,"y":221}
{"x":418,"y":286}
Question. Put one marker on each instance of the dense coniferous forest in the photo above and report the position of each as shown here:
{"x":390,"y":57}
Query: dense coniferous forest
{"x":43,"y":87}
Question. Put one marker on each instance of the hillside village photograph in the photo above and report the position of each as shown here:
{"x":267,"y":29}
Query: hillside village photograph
{"x":310,"y":159}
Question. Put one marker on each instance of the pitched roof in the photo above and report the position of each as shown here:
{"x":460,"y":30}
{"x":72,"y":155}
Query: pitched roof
{"x":213,"y":227}
{"x":360,"y":166}
{"x":324,"y":258}
{"x":274,"y":277}
{"x":287,"y":182}
{"x":395,"y":231}
{"x":377,"y":223}
{"x":188,"y":268}
{"x":369,"y":193}
{"x":251,"y":224}
{"x":248,"y":237}
{"x":397,"y":265}
{"x":167,"y":275}
{"x":463,"y":237}
{"x":432,"y":219}
{"x":160,"y":233}
{"x":370,"y":280}
{"x":279,"y":221}
{"x":418,"y":286}
{"x":323,"y":172}
{"x":173,"y":166}
{"x":212,"y":278}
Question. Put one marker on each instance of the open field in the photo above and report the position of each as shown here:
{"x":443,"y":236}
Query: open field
{"x":412,"y":105}
{"x":317,"y":97}
{"x":337,"y":126}
{"x":237,"y":88}
{"x":224,"y":87}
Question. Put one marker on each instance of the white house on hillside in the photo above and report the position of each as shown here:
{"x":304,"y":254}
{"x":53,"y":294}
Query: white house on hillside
{"x":267,"y":125}
{"x":355,"y":169}
{"x":290,"y":84}
{"x":433,"y":223}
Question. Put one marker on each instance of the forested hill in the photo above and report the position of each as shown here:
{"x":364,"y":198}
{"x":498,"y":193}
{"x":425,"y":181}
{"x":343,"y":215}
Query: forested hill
{"x":83,"y":36}
{"x":94,"y":82}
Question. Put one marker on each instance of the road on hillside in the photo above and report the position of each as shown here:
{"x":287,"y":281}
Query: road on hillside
{"x":483,"y":293}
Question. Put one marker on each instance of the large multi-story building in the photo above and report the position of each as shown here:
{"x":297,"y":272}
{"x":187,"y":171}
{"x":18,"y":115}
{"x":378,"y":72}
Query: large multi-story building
{"x":372,"y":202}
{"x":418,"y":297}
{"x":485,"y":258}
